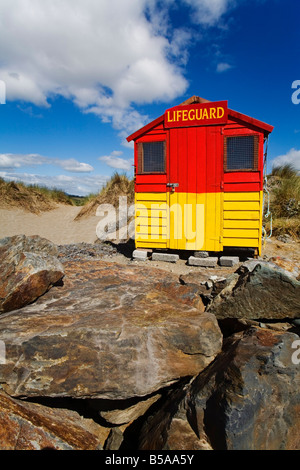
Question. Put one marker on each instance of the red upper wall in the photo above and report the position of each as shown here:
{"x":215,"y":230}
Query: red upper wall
{"x":195,"y":156}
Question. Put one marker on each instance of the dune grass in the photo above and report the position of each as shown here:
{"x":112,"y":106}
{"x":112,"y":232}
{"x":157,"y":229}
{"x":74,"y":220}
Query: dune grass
{"x":286,"y":192}
{"x":283,"y":226}
{"x":284,"y":188}
{"x":32,"y":198}
{"x":35,"y":198}
{"x":119,"y":185}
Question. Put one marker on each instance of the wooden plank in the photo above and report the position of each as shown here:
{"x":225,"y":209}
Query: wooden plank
{"x":240,"y":233}
{"x":241,"y":224}
{"x":151,"y":197}
{"x":151,"y":179}
{"x":150,"y":188}
{"x":243,"y":242}
{"x":238,"y":215}
{"x":242,"y":196}
{"x":242,"y":176}
{"x":151,"y":230}
{"x":145,"y":238}
{"x":241,"y":205}
{"x":154,"y":221}
{"x":152,"y":205}
{"x":150,"y":214}
{"x":242,"y":187}
{"x":151,"y":244}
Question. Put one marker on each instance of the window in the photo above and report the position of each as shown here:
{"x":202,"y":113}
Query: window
{"x":152,"y":157}
{"x":241,"y":153}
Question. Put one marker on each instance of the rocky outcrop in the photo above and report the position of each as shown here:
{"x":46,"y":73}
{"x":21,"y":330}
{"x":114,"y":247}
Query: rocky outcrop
{"x":126,"y":356}
{"x":28,"y":268}
{"x":248,"y":399}
{"x":258,"y":290}
{"x":30,"y":426}
{"x":111,"y":331}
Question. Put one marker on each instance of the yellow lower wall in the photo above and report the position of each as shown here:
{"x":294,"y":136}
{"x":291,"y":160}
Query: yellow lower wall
{"x":151,"y":220}
{"x":242,"y":219}
{"x":189,"y":221}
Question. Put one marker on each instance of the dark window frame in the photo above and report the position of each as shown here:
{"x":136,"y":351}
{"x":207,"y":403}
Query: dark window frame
{"x":254,"y":167}
{"x":140,"y":168}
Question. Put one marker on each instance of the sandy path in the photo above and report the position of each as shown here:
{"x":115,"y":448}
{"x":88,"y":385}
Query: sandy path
{"x":57,"y":225}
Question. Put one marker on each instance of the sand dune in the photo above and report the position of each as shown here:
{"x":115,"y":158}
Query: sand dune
{"x":57,"y":225}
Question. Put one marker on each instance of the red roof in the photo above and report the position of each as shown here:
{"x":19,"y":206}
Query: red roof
{"x":236,"y":116}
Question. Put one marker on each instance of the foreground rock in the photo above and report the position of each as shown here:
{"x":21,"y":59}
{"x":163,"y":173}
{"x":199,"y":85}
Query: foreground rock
{"x":111,"y":331}
{"x":28,"y":268}
{"x":258,"y":290}
{"x":29,"y":426}
{"x":248,"y":399}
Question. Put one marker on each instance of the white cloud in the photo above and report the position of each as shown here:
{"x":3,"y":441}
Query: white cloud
{"x":114,"y":161}
{"x":74,"y":166}
{"x":223,"y":67}
{"x":209,"y":12}
{"x":107,"y":56}
{"x":292,"y":157}
{"x":104,"y":55}
{"x":16,"y":161}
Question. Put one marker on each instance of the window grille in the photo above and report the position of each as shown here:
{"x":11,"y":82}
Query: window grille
{"x":152,"y":157}
{"x":241,"y":153}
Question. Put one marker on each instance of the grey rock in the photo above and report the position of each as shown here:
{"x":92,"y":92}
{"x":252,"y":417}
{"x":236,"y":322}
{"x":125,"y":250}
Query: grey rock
{"x":209,"y":262}
{"x":140,"y":255}
{"x":110,"y":331}
{"x":258,"y":290}
{"x":249,"y":398}
{"x":166,"y":257}
{"x":31,"y":426}
{"x":29,"y":267}
{"x":229,"y":260}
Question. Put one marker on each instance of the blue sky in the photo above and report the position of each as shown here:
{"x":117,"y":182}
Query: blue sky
{"x":81,"y":75}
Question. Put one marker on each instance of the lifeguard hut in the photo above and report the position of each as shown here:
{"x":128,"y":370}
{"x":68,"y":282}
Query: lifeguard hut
{"x":199,"y":179}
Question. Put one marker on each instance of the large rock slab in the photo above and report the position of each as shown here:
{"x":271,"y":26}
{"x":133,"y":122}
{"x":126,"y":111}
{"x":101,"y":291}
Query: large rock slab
{"x":30,"y":426}
{"x":249,"y":398}
{"x":28,"y":268}
{"x":258,"y":290}
{"x":110,"y":331}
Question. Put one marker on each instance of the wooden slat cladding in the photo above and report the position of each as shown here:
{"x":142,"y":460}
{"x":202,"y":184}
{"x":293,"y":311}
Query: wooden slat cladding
{"x":242,"y":219}
{"x":151,"y":221}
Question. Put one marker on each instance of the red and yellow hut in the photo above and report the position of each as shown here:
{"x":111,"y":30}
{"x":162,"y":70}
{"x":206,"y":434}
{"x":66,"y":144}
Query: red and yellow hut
{"x":199,"y":178}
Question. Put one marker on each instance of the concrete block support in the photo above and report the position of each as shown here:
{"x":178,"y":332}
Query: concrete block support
{"x":209,"y":262}
{"x":229,"y":260}
{"x":167,"y":257}
{"x":140,"y":255}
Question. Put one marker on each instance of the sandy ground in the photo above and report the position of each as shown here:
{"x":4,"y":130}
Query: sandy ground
{"x":58,"y":226}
